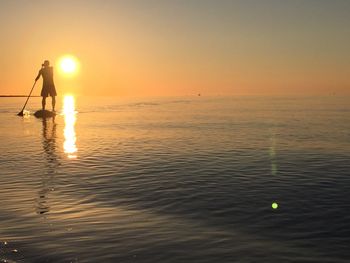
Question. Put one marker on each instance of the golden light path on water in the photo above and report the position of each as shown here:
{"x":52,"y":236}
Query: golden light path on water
{"x":70,"y":139}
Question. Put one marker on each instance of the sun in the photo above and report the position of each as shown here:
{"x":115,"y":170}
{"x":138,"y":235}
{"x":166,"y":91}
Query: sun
{"x":68,"y":64}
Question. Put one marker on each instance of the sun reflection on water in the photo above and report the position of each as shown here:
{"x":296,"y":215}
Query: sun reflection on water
{"x":70,"y":139}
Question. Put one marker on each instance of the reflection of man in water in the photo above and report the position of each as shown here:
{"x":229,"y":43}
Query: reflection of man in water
{"x":49,"y":139}
{"x":48,"y":85}
{"x":49,"y":146}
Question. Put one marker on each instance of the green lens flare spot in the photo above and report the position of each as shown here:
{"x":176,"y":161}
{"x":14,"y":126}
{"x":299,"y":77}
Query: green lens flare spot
{"x":274,"y":205}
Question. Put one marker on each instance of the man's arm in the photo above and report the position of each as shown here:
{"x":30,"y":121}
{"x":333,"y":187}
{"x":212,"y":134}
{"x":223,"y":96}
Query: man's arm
{"x":38,"y":75}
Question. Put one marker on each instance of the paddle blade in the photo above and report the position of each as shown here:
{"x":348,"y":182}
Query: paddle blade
{"x":20,"y":113}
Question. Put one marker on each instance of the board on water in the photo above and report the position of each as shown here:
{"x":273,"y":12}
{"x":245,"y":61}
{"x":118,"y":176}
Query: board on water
{"x":44,"y":114}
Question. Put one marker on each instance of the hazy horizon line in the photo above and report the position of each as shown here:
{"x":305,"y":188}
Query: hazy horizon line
{"x":17,"y":96}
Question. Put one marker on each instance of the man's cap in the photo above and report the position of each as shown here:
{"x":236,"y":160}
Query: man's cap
{"x":46,"y":63}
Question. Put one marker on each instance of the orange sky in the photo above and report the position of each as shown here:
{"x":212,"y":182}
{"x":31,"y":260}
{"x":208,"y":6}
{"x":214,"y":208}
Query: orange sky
{"x":165,"y":48}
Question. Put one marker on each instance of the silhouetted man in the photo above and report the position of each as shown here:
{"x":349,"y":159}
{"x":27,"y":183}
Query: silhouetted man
{"x":48,"y":86}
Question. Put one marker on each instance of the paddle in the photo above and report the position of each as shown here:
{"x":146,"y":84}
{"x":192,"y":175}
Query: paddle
{"x":21,"y":112}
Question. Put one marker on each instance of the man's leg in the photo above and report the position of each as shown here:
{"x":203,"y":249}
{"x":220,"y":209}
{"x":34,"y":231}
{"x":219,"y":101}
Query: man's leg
{"x":53,"y":103}
{"x":43,"y":102}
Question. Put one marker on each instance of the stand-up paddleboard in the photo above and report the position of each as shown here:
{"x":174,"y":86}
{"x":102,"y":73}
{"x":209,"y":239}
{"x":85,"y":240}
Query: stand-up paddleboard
{"x":44,"y":114}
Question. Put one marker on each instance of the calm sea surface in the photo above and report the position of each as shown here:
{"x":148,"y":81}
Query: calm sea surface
{"x":176,"y":180}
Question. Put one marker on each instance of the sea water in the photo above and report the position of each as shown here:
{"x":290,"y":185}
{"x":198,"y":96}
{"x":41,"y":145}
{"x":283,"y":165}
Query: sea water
{"x":191,"y":179}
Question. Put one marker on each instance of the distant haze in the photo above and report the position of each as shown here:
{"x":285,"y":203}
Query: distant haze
{"x":183,"y":47}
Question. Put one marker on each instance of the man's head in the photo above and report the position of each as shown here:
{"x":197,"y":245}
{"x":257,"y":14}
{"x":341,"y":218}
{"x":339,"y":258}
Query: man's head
{"x":46,"y":63}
